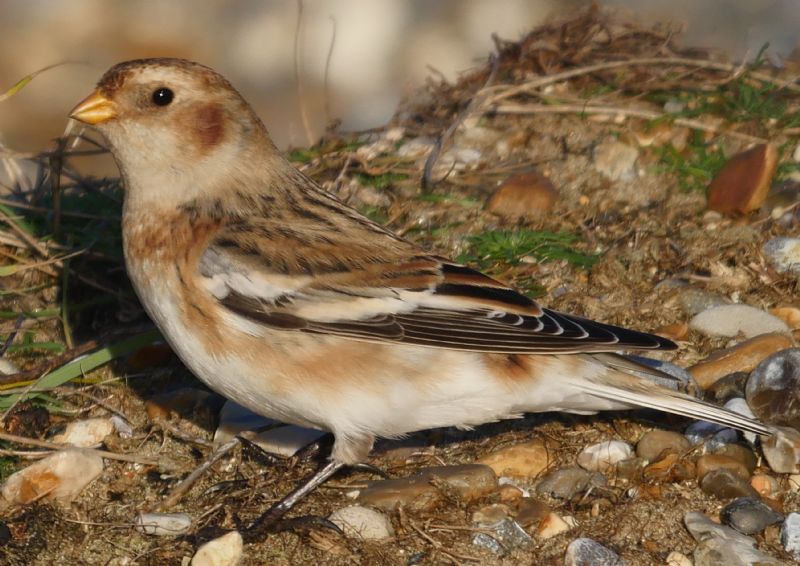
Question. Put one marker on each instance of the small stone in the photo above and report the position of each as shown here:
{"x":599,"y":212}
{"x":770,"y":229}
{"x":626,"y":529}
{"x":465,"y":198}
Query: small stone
{"x":676,"y":558}
{"x":226,"y":550}
{"x":749,"y":515}
{"x":704,"y":431}
{"x":784,"y":254}
{"x":567,"y":482}
{"x":739,"y":405}
{"x":524,"y":196}
{"x":654,"y":443}
{"x":631,"y":469}
{"x":720,"y":545}
{"x":790,"y":534}
{"x":60,"y":476}
{"x":728,"y":387}
{"x":694,"y":301}
{"x":743,"y":357}
{"x":603,"y":457}
{"x":163,"y":524}
{"x":739,"y":453}
{"x":85,"y":433}
{"x":490,"y":514}
{"x":683,"y":379}
{"x":732,"y":320}
{"x":509,"y":493}
{"x":726,"y":484}
{"x":531,"y":512}
{"x":773,"y":390}
{"x":526,"y":460}
{"x":676,"y":331}
{"x":789,"y":315}
{"x":419,"y":492}
{"x":669,"y":469}
{"x":782,"y":450}
{"x":506,"y":536}
{"x":743,"y":182}
{"x":616,"y":160}
{"x":588,"y":552}
{"x":765,"y":486}
{"x":284,"y":440}
{"x":552,"y":525}
{"x":362,"y":523}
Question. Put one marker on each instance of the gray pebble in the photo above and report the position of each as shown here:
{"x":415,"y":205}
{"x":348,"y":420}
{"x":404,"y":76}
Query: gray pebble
{"x":724,"y":484}
{"x":790,"y":534}
{"x":784,"y":254}
{"x":721,"y":545}
{"x":568,"y":482}
{"x":694,"y":301}
{"x":773,"y":389}
{"x":749,"y":515}
{"x":588,"y":552}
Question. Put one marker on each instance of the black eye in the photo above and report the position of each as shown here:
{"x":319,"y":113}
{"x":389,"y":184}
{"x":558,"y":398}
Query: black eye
{"x":162,"y":96}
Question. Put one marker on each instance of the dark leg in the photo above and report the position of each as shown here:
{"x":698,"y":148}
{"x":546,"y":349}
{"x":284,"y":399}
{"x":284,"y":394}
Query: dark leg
{"x":271,"y":519}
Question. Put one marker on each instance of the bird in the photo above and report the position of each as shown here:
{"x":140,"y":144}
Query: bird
{"x":284,"y":299}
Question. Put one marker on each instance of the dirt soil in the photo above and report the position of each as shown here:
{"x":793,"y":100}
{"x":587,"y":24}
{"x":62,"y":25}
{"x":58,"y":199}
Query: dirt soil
{"x":650,"y":233}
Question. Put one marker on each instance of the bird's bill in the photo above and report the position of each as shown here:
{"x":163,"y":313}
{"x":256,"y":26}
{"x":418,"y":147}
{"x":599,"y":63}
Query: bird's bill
{"x":94,"y":109}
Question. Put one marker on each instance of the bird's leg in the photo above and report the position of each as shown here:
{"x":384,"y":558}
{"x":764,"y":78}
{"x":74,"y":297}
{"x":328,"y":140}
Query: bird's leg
{"x":272,"y":519}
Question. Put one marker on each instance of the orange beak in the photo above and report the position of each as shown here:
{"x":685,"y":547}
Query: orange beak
{"x":94,"y":109}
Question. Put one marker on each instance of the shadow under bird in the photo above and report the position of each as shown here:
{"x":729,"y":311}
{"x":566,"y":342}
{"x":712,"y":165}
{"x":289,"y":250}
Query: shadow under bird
{"x":287,"y":301}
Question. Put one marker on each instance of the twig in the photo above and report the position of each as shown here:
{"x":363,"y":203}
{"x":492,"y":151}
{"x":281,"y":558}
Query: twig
{"x":50,"y":364}
{"x":192,"y":478}
{"x":438,"y":546}
{"x":630,"y":112}
{"x":298,"y":74}
{"x":12,"y":336}
{"x":325,"y":81}
{"x":133,"y":458}
{"x":476,"y":101}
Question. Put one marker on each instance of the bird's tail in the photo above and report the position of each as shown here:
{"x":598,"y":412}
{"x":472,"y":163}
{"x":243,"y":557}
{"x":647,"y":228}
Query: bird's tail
{"x":619,"y":383}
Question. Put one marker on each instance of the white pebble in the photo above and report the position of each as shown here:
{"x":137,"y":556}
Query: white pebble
{"x":731,"y":320}
{"x":85,"y":433}
{"x":61,"y":476}
{"x":790,"y":534}
{"x":361,"y":522}
{"x":163,"y":524}
{"x":604,"y":455}
{"x":223,"y":551}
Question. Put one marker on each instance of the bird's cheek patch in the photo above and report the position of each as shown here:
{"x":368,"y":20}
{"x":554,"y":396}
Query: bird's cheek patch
{"x":209,"y":126}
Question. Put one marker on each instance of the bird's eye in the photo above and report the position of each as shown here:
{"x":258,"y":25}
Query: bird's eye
{"x":162,"y":96}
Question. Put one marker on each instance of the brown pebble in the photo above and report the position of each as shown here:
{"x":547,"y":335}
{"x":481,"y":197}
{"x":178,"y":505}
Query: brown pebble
{"x":765,"y":485}
{"x":671,"y":468}
{"x":509,"y":493}
{"x":490,"y":514}
{"x":676,"y":331}
{"x":526,"y":460}
{"x":531,"y":512}
{"x":726,"y":484}
{"x":741,"y":454}
{"x":523,"y":196}
{"x":789,"y":315}
{"x":742,"y":357}
{"x":708,"y":463}
{"x":743,"y":182}
{"x":655,"y":443}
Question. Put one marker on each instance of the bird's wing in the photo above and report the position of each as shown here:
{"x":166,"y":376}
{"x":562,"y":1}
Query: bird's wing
{"x":373,"y":286}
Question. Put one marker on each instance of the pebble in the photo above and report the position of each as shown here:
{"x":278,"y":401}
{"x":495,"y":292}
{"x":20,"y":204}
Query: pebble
{"x":531,"y":512}
{"x":506,"y":536}
{"x":568,"y":482}
{"x":616,"y":160}
{"x":669,"y":469}
{"x":782,"y":450}
{"x":85,"y":433}
{"x":284,"y":440}
{"x":676,"y":558}
{"x":631,"y":469}
{"x":789,"y":315}
{"x":525,"y":460}
{"x":740,"y":453}
{"x":784,"y":254}
{"x":553,"y":525}
{"x":490,"y":514}
{"x":694,"y":301}
{"x":362,"y":523}
{"x":525,"y":196}
{"x":749,"y":515}
{"x":418,"y":492}
{"x":226,"y":550}
{"x":603,"y":457}
{"x":163,"y":524}
{"x":765,"y":486}
{"x":588,"y":552}
{"x":654,"y":443}
{"x":732,"y":320}
{"x":60,"y":476}
{"x":773,"y":389}
{"x":743,"y":357}
{"x":728,"y":387}
{"x":677,"y":331}
{"x":739,"y":406}
{"x":790,"y":534}
{"x":723,"y":483}
{"x":122,"y":426}
{"x":743,"y":182}
{"x":720,"y":545}
{"x":710,"y":433}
